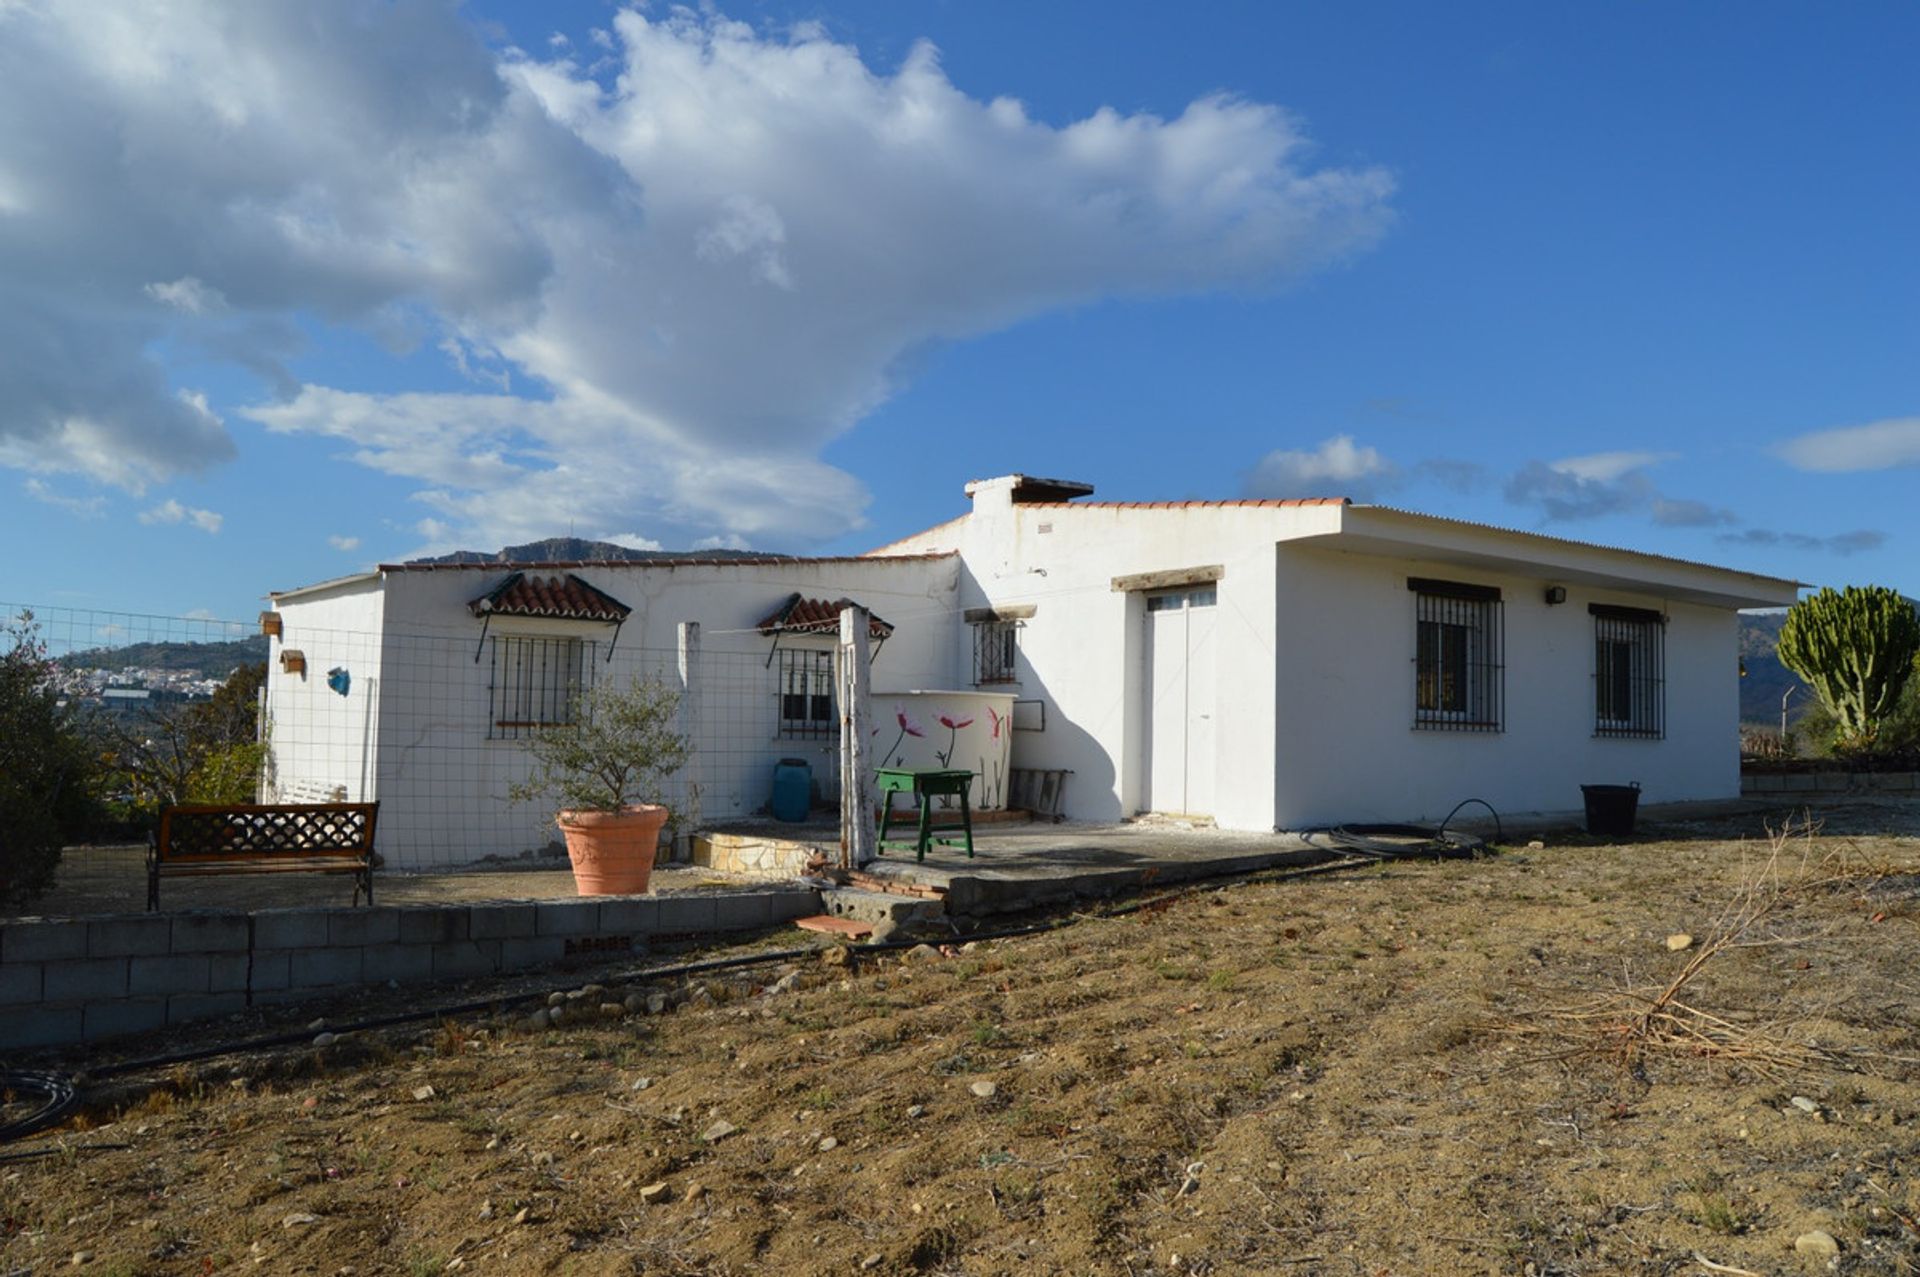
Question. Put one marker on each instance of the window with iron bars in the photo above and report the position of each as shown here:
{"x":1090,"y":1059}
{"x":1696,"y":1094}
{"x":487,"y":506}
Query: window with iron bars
{"x":1629,"y":672}
{"x":1459,"y":680}
{"x":996,"y":648}
{"x":536,"y":683}
{"x":806,"y":695}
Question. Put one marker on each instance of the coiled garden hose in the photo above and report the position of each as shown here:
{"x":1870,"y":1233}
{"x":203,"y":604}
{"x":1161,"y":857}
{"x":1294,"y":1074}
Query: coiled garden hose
{"x":1410,"y":842}
{"x":57,"y":1096}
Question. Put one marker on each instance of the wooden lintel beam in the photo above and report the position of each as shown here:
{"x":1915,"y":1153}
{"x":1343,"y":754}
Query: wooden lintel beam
{"x":1170,"y":578}
{"x":1002,"y":612}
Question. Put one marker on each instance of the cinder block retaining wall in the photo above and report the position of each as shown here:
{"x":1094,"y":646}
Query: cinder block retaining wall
{"x":1768,"y":785}
{"x":66,"y":980}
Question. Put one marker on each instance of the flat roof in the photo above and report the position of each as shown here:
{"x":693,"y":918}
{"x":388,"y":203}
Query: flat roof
{"x":569,"y":565}
{"x":1407,"y":533}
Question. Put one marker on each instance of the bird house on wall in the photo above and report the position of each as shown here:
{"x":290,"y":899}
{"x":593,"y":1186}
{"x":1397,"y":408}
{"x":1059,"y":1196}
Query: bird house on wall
{"x":270,"y":624}
{"x":294,"y":661}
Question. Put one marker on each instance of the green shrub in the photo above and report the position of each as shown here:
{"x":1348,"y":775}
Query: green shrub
{"x":46,"y":768}
{"x":227,"y":775}
{"x":1856,"y":648}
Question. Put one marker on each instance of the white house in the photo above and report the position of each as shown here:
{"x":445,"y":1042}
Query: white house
{"x":448,"y":666}
{"x":1265,"y":664}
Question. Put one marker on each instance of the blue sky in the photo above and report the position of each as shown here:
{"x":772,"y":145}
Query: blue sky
{"x":288,"y":290}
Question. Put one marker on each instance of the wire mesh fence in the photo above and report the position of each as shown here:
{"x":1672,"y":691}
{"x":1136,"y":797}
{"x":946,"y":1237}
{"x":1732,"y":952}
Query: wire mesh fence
{"x":430,"y":721}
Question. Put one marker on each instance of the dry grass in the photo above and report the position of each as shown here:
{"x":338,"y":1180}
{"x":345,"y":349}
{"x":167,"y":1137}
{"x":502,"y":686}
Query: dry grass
{"x":1283,"y":1077}
{"x":1636,"y":1021}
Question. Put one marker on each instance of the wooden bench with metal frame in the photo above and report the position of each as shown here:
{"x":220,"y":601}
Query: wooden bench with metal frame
{"x":197,"y":841}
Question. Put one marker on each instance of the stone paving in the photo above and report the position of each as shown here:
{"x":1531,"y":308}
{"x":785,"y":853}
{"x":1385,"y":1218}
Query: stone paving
{"x":113,"y":879}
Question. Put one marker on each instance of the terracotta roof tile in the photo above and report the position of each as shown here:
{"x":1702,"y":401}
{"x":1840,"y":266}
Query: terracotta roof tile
{"x":555,"y":598}
{"x":802,"y":615}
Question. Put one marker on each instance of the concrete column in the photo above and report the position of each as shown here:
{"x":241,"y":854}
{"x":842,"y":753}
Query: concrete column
{"x":856,"y":729}
{"x":690,"y":727}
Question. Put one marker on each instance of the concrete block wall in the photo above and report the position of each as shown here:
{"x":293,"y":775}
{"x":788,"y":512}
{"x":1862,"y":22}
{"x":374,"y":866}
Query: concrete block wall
{"x":1799,"y":784}
{"x":68,"y":980}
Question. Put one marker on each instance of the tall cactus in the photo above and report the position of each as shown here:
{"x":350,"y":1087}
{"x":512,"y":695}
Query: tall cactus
{"x":1856,"y":648}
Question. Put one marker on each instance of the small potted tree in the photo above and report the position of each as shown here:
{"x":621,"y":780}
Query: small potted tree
{"x":605,"y":770}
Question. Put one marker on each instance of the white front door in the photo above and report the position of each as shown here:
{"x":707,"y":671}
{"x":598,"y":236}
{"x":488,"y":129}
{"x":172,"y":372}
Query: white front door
{"x":1180,"y":702}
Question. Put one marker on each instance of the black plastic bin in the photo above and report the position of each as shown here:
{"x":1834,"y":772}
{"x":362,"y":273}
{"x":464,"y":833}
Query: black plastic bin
{"x":1611,"y":808}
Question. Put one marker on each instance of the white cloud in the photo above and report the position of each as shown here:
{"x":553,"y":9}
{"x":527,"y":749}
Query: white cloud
{"x":1607,"y":467}
{"x":747,"y":228}
{"x":171,"y":511}
{"x":1600,"y":484}
{"x":344,"y":544}
{"x":632,"y":541}
{"x":703,"y":266}
{"x":1878,"y":445}
{"x":1684,"y":512}
{"x":1338,"y":467}
{"x":188,"y":294}
{"x":85,"y":507}
{"x":472,"y":364}
{"x":1841,"y":544}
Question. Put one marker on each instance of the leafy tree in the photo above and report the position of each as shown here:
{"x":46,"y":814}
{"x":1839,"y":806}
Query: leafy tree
{"x":1856,"y":648}
{"x":204,"y":752}
{"x":45,"y":768}
{"x":224,"y":734}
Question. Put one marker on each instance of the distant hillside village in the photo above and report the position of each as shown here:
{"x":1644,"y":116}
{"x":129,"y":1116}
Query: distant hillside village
{"x":123,"y":681}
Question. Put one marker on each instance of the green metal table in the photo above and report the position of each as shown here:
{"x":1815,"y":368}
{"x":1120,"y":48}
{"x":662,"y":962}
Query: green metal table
{"x":925,"y":786}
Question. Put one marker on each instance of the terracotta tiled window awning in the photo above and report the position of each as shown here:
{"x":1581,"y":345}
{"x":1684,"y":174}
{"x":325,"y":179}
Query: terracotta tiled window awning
{"x":554,"y":598}
{"x":802,"y":615}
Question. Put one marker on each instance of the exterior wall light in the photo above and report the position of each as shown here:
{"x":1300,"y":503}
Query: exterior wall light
{"x":1556,"y":594}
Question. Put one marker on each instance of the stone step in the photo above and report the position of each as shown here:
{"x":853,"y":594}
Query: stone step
{"x":835,"y":926}
{"x":877,"y":906}
{"x":892,"y":886}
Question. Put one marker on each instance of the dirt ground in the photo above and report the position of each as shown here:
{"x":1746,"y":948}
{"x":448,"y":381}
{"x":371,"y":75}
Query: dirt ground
{"x":1420,"y":1068}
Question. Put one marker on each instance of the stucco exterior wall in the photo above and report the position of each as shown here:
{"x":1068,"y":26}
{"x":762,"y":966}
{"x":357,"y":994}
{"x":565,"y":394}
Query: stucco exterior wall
{"x":1082,"y":651}
{"x":1315,"y":676}
{"x":321,"y":741}
{"x":442,"y":782}
{"x":1311,"y":710}
{"x":1344,"y":713}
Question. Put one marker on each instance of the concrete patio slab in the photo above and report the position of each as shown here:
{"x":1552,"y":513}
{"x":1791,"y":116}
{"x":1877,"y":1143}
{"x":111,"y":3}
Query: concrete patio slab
{"x":1024,"y":865}
{"x":1021,"y":866}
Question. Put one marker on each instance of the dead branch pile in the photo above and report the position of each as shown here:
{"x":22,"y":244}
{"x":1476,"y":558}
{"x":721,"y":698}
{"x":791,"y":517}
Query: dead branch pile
{"x":1637,"y":1022}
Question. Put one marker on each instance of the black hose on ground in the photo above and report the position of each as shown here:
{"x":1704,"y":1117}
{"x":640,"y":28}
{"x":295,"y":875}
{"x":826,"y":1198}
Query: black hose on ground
{"x":1499,"y":834}
{"x":57,"y":1096}
{"x":1409,"y":842}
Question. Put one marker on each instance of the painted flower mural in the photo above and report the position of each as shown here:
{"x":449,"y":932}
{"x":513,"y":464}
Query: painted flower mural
{"x":948,"y":731}
{"x":992,"y":783}
{"x":953,"y":734}
{"x":907,"y":728}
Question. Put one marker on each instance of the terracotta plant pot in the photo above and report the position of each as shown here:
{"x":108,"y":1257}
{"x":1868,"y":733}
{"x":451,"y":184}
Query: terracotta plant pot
{"x":613,"y":851}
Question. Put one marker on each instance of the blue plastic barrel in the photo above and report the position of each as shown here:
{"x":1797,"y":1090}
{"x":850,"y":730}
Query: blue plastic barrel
{"x":792,"y":790}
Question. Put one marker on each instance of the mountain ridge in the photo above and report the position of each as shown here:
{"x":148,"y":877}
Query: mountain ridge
{"x":583,"y":550}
